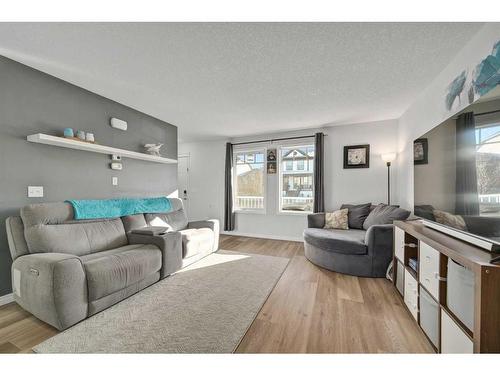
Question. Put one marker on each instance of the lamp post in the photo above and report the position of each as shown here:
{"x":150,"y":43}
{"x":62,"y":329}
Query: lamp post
{"x":388,"y":158}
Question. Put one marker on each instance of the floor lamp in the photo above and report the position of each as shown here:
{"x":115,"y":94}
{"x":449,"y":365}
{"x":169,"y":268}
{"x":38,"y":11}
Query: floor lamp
{"x":388,"y":158}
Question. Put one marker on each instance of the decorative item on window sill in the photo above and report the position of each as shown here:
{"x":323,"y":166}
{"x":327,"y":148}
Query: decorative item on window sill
{"x":153,"y":148}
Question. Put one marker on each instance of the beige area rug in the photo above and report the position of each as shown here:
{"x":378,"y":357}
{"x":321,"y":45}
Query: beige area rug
{"x":204,"y":308}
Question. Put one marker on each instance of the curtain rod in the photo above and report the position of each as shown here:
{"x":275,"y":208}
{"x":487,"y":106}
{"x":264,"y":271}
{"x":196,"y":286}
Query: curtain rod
{"x":275,"y":139}
{"x":486,"y":113}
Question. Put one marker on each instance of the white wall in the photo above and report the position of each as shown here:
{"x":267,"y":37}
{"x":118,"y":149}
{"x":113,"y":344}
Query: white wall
{"x":429,"y":111}
{"x":359,"y":185}
{"x":341,"y":185}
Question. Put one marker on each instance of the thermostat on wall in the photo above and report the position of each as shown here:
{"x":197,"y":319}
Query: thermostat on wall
{"x":116,"y":166}
{"x":118,"y":124}
{"x":35,"y":191}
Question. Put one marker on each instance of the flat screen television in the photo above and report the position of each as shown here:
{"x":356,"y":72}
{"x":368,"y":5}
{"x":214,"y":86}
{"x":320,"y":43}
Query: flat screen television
{"x":457,"y":175}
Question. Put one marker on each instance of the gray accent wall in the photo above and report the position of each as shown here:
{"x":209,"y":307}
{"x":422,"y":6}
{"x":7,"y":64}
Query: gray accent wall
{"x":34,"y":102}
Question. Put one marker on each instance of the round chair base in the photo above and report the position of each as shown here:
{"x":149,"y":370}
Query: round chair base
{"x":355,"y":265}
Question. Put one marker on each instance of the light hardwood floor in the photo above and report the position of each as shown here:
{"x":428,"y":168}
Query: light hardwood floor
{"x":311,"y":310}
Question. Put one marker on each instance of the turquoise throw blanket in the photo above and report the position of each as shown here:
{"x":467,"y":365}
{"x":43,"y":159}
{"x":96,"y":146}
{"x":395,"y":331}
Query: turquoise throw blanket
{"x":112,"y":208}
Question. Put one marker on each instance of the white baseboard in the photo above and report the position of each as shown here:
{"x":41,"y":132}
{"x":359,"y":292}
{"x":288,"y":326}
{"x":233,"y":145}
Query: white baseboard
{"x":8,"y":298}
{"x":266,"y":236}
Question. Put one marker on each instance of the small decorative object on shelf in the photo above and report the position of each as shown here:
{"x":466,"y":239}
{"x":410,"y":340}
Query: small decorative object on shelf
{"x":89,"y":137}
{"x":153,"y":148}
{"x":80,"y":134}
{"x":68,"y":133}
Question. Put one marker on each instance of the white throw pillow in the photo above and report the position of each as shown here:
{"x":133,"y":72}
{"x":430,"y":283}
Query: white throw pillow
{"x":337,"y":220}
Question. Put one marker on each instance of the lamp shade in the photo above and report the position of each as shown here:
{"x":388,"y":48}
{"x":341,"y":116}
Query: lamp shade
{"x":389,"y":157}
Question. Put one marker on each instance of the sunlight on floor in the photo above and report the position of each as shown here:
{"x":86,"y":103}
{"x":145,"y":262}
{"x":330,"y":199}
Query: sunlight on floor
{"x":213,"y":260}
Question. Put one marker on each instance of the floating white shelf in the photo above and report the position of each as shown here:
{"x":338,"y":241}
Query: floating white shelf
{"x":92,"y":147}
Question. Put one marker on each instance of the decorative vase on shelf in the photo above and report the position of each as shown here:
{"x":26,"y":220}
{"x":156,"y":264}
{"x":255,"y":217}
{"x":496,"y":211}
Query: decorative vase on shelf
{"x":80,"y":134}
{"x":90,"y":137}
{"x":68,"y":133}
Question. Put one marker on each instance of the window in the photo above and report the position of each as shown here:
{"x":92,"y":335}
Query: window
{"x":249,"y":180}
{"x":296,"y":178}
{"x":487,"y":162}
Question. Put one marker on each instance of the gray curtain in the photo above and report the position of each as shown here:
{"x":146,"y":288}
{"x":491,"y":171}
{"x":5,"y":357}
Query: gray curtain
{"x":319,"y":180}
{"x":228,"y":190}
{"x":467,"y":202}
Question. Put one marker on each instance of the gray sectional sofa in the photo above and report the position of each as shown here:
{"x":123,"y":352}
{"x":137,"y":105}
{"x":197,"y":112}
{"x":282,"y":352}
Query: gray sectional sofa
{"x":65,"y":270}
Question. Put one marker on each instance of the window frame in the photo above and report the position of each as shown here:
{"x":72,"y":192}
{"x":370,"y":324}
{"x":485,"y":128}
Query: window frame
{"x":263,"y":210}
{"x":279,"y":171}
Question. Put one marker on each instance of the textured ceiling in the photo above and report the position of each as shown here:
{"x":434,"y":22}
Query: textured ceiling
{"x":217,"y":80}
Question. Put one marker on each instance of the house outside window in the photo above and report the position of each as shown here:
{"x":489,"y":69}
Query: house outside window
{"x":296,"y":176}
{"x":249,"y":180}
{"x":487,"y":161}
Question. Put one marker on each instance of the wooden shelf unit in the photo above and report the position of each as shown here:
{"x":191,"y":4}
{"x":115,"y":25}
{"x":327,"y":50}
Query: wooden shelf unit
{"x":93,"y":147}
{"x":433,"y":250}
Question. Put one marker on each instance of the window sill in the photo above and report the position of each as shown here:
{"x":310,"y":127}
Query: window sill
{"x":294,"y":213}
{"x":252,"y":212}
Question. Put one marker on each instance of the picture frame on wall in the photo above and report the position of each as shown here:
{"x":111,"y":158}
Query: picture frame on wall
{"x":271,"y":167}
{"x":357,"y":156}
{"x":420,"y":151}
{"x":271,"y":154}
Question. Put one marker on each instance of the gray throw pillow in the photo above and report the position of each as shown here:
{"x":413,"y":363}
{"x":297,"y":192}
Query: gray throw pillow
{"x":384,"y":214}
{"x":357,"y":214}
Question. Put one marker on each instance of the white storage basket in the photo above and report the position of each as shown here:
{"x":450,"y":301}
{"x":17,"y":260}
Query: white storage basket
{"x":460,"y":293}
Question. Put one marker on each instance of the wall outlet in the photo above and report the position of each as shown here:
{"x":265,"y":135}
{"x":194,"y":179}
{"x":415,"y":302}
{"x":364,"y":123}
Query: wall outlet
{"x":116,"y":157}
{"x":114,"y":181}
{"x":35,"y":191}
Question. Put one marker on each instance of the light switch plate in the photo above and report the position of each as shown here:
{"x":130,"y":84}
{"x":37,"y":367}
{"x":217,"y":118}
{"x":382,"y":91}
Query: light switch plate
{"x":35,"y":191}
{"x":114,"y":181}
